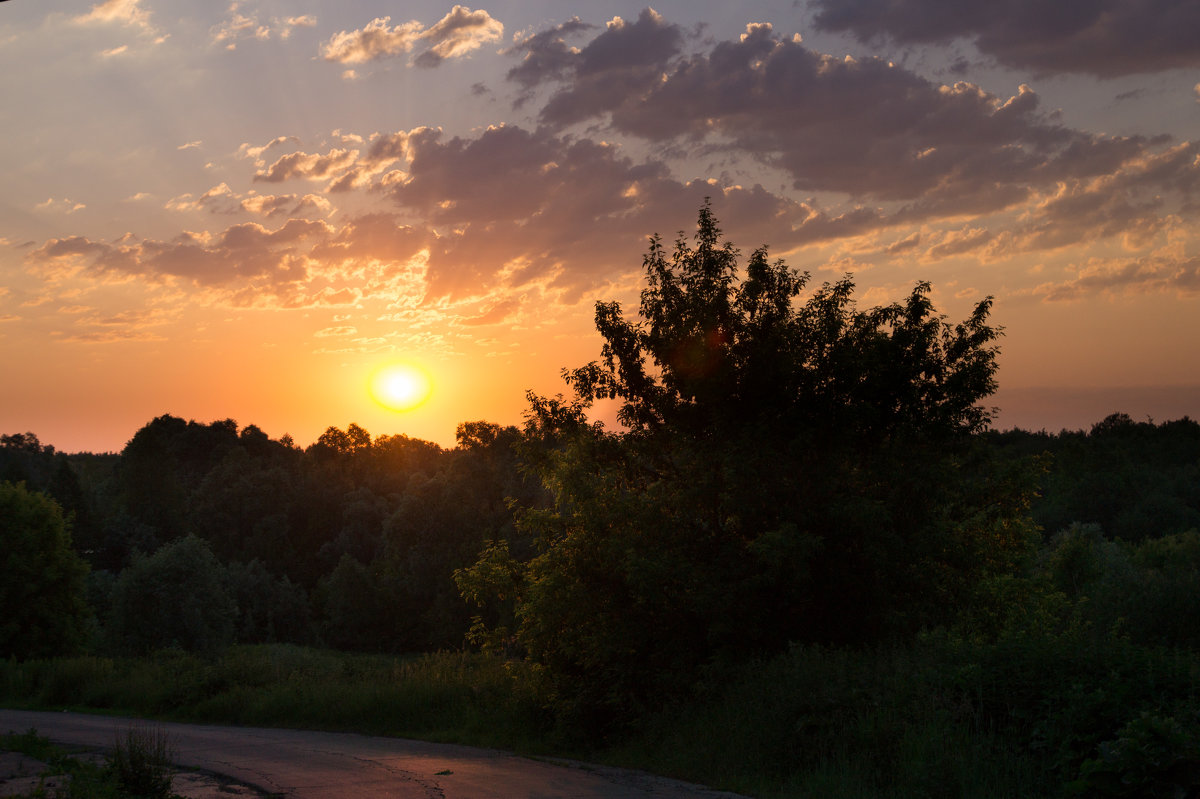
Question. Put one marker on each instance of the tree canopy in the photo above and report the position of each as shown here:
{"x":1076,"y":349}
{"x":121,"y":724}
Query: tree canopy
{"x":791,"y":470}
{"x":43,"y":611}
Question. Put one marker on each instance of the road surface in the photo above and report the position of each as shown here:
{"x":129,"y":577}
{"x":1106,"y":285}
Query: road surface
{"x":326,"y":765}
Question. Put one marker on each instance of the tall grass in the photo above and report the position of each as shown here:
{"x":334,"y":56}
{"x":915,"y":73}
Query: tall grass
{"x":1023,"y":717}
{"x":453,"y":697}
{"x":141,"y":763}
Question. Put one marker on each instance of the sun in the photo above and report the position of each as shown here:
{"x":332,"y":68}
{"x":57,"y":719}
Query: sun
{"x":400,"y":386}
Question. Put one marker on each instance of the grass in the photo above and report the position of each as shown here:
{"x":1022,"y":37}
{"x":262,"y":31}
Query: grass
{"x":939,"y":718}
{"x":451,"y":697}
{"x":139,"y":767}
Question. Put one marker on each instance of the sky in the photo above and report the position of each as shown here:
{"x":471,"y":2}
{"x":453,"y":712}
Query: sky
{"x":243,"y":210}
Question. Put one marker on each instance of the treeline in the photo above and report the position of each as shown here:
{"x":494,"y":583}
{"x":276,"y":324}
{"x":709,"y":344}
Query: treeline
{"x":199,"y":535}
{"x":353,"y":542}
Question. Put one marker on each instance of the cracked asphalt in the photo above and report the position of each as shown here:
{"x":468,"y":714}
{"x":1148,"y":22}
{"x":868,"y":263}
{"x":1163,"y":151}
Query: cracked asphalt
{"x":327,"y":765}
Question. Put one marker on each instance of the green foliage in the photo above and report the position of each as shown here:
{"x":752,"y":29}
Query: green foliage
{"x":42,"y":580}
{"x":1148,"y":592}
{"x":1136,"y":480}
{"x":363,"y":608}
{"x":270,"y":609}
{"x":1152,"y":756}
{"x":177,"y":597}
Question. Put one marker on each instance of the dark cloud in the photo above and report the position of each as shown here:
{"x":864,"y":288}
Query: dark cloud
{"x":1106,"y":38}
{"x":621,"y":63}
{"x":866,"y":128}
{"x":545,"y":55}
{"x":516,"y":206}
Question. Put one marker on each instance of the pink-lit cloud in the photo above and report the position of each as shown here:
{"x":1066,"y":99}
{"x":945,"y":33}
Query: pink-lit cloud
{"x":246,"y":25}
{"x":459,"y":33}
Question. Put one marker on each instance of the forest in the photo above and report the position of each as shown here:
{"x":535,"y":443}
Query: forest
{"x":805,"y":514}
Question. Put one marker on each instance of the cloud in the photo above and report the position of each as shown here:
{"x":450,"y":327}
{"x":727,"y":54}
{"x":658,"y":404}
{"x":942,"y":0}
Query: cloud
{"x":301,"y":263}
{"x":507,"y":209}
{"x":1140,"y":275}
{"x":221,"y":199}
{"x":510,"y":208}
{"x":373,"y":41}
{"x":457,"y":34}
{"x":241,"y":26}
{"x":63,"y":206}
{"x":623,"y":62}
{"x":243,"y":252}
{"x":247,"y":150}
{"x":958,"y":242}
{"x":514,"y":207}
{"x":545,"y":55}
{"x":498,"y":313}
{"x":902,"y":149}
{"x":307,"y":166}
{"x":125,"y":12}
{"x":1131,"y":202}
{"x":1106,"y":38}
{"x":128,"y":13}
{"x":268,"y":205}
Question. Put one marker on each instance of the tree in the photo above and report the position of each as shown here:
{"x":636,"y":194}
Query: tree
{"x":178,"y":597}
{"x":790,"y":471}
{"x":43,"y":611}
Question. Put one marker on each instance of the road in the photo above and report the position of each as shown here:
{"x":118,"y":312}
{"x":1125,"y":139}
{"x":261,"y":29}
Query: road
{"x":326,"y":765}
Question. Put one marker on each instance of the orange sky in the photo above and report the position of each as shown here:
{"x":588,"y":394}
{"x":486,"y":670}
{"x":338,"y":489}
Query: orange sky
{"x":240,"y":211}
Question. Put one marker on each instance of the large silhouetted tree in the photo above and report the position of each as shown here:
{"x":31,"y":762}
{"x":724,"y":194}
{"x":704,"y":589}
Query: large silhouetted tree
{"x":791,"y":470}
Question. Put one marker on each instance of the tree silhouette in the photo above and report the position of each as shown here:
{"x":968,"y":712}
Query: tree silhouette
{"x":790,"y":471}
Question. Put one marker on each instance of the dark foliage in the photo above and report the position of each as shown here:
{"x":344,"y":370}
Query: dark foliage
{"x":42,"y":580}
{"x":791,"y":471}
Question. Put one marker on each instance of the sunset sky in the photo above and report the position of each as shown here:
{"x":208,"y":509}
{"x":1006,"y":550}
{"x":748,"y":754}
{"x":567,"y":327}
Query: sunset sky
{"x":243,"y":210}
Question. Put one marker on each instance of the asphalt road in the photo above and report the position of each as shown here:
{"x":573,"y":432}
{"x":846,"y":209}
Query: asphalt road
{"x":326,"y":765}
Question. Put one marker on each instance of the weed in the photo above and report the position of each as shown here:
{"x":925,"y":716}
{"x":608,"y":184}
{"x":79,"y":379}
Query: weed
{"x":141,"y":763}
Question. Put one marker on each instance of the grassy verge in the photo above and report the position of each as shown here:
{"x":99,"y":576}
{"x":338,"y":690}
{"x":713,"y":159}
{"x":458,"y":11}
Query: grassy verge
{"x":941,"y":718}
{"x":139,"y":767}
{"x":452,"y":697}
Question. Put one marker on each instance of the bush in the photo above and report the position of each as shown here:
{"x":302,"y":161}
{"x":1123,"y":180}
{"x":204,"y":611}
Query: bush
{"x":1152,"y":756}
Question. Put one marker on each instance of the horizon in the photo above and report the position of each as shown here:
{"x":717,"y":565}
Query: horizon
{"x":245,"y":211}
{"x":1053,"y":411}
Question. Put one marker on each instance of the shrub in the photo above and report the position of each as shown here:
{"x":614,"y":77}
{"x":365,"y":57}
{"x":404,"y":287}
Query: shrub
{"x":141,"y":763}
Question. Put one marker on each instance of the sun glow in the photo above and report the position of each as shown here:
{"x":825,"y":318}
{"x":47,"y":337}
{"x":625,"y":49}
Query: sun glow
{"x":400,"y":387}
